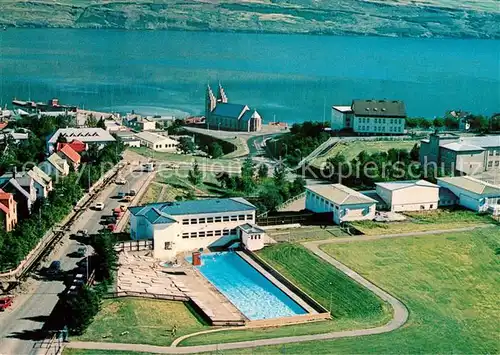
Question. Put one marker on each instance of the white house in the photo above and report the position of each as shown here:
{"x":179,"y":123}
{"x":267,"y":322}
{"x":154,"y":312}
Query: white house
{"x":417,"y":195}
{"x":187,"y":226}
{"x":346,"y":204}
{"x":54,"y":166}
{"x":473,"y":194}
{"x":157,"y":142}
{"x":252,"y":236}
{"x":370,"y":117}
{"x":88,"y":136}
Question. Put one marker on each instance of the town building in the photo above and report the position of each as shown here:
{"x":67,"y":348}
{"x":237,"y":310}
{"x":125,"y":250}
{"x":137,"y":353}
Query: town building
{"x":187,"y":226}
{"x":25,"y":196}
{"x":54,"y":166}
{"x":75,"y":144}
{"x":344,"y":203}
{"x":473,"y":194}
{"x":469,"y":155}
{"x":72,"y":158}
{"x":370,"y":117}
{"x":87,"y":136}
{"x":222,"y":115}
{"x":157,"y":142}
{"x":417,"y":195}
{"x":8,"y":211}
{"x":42,"y":183}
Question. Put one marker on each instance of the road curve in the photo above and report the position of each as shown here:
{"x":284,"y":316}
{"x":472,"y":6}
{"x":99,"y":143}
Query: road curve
{"x":400,"y":316}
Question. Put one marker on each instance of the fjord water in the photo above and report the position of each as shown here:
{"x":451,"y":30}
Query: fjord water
{"x":294,"y":77}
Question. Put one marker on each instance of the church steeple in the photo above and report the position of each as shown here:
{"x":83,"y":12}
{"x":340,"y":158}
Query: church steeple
{"x":221,"y":95}
{"x":210,"y":101}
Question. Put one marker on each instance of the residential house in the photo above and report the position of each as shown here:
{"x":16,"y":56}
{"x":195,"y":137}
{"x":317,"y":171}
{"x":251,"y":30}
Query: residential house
{"x":344,"y":203}
{"x":157,"y":142}
{"x":72,"y":158}
{"x":187,"y":226}
{"x":469,"y":155}
{"x":416,"y":195}
{"x":54,"y":166}
{"x":473,"y":193}
{"x":42,"y":183}
{"x":8,"y":211}
{"x":88,"y":136}
{"x":222,"y":115}
{"x":75,"y":144}
{"x":370,"y":117}
{"x":24,"y":196}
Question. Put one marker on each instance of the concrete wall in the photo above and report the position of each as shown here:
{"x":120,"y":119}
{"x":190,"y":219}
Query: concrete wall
{"x":492,"y":157}
{"x":471,"y":162}
{"x":414,"y":198}
{"x":253,"y":241}
{"x":469,"y":199}
{"x":338,"y":120}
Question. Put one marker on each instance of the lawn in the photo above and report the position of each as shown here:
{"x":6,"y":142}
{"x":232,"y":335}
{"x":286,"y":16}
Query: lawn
{"x":449,"y":283}
{"x":151,"y":195}
{"x":351,"y":149}
{"x":141,"y":321}
{"x":425,"y":221}
{"x":69,"y":351}
{"x":352,"y":306}
{"x":304,"y":234}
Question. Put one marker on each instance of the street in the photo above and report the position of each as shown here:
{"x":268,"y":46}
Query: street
{"x":20,"y":325}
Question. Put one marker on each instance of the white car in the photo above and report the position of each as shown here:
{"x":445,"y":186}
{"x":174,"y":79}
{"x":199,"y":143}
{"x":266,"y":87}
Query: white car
{"x":120,"y":181}
{"x":99,"y":206}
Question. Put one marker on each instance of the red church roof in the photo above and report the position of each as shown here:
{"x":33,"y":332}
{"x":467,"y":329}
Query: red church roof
{"x":70,"y":153}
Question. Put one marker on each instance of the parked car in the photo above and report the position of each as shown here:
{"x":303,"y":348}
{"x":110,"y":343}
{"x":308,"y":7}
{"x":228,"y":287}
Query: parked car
{"x":81,"y":252}
{"x":111,"y":227}
{"x":82,"y":233}
{"x":132,"y":192}
{"x":54,"y":268}
{"x":123,"y":208}
{"x":73,"y":290}
{"x":99,"y":206}
{"x":121,"y":194}
{"x":5,"y":302}
{"x":120,"y":181}
{"x":128,"y":198}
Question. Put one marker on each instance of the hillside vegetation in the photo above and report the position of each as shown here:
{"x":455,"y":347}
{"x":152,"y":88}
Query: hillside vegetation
{"x":417,"y":18}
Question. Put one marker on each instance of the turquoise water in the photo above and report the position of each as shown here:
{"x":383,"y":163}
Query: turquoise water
{"x":253,"y":294}
{"x":291,"y":76}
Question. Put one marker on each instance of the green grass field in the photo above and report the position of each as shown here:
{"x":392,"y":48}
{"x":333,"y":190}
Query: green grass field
{"x":449,"y":282}
{"x":440,"y":219}
{"x":352,"y":306}
{"x":351,"y":149}
{"x":143,"y":321}
{"x":68,"y":351}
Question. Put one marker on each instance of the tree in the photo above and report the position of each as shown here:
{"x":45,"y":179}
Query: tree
{"x":104,"y":247}
{"x":81,"y":310}
{"x":425,"y":124}
{"x":279,"y":176}
{"x":479,"y":123}
{"x":91,"y":121}
{"x":101,"y":123}
{"x":195,"y":175}
{"x":415,"y":152}
{"x":247,"y":183}
{"x":438,"y":122}
{"x":215,"y":150}
{"x":298,"y":186}
{"x":186,"y":145}
{"x":263,"y":171}
{"x":270,"y":198}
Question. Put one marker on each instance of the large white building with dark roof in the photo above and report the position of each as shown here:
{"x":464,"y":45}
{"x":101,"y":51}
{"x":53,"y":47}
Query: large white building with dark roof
{"x":370,"y":117}
{"x":222,"y":115}
{"x":87,"y":136}
{"x":187,"y":226}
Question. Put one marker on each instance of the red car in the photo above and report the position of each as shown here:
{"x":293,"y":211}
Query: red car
{"x":111,"y":227}
{"x":5,"y":303}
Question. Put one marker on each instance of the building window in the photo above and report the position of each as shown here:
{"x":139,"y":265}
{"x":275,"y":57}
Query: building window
{"x":490,"y":164}
{"x":194,"y":221}
{"x":249,"y":216}
{"x":201,"y":220}
{"x":232,"y":232}
{"x":234,"y":218}
{"x":201,"y":234}
{"x":218,"y":233}
{"x":497,"y":163}
{"x":210,"y":220}
{"x":225,"y":218}
{"x":241,"y":217}
{"x":185,"y":235}
{"x":225,"y":232}
{"x":431,"y":206}
{"x":490,"y":153}
{"x":193,"y":234}
{"x":185,"y":221}
{"x":218,"y":219}
{"x":210,"y":233}
{"x":168,"y":245}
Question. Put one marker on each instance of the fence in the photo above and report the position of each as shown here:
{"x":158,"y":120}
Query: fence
{"x":295,"y":218}
{"x":134,"y":245}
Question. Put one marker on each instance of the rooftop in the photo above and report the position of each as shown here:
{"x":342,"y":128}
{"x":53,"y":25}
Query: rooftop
{"x":70,"y":153}
{"x":86,"y":135}
{"x":161,"y":212}
{"x":340,"y":194}
{"x":379,"y":108}
{"x":396,"y":185}
{"x":155,"y":138}
{"x":461,"y":147}
{"x":343,"y":109}
{"x":471,"y":184}
{"x":230,"y":110}
{"x":251,"y":228}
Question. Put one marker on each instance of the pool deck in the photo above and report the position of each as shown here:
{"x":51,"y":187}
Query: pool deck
{"x":277,"y":283}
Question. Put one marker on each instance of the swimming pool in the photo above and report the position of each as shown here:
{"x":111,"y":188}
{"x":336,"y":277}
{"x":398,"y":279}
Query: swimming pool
{"x":252,"y":293}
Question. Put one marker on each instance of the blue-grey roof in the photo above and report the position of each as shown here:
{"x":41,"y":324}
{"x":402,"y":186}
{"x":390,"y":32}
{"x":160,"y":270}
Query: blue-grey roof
{"x":247,"y":116}
{"x":229,"y":110}
{"x":159,"y":213}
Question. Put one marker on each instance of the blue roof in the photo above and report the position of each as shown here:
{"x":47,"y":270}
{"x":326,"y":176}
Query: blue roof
{"x":247,"y":116}
{"x":159,"y":213}
{"x":228,"y":110}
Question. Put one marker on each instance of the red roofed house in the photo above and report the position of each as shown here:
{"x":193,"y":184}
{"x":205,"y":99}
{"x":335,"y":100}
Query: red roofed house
{"x":67,"y":153}
{"x":8,"y":210}
{"x":78,"y":146}
{"x":3,"y":125}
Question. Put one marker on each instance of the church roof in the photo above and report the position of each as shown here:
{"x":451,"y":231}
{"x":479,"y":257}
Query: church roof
{"x":229,"y":110}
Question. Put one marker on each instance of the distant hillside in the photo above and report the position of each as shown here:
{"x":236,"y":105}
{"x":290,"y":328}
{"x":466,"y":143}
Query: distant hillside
{"x":413,"y":18}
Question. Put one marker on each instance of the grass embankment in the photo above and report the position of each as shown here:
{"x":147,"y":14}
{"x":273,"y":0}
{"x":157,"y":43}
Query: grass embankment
{"x":352,"y":306}
{"x":151,"y":195}
{"x":449,"y":283}
{"x":351,"y":149}
{"x":305,"y":234}
{"x":425,"y":221}
{"x":141,"y":321}
{"x":69,"y":351}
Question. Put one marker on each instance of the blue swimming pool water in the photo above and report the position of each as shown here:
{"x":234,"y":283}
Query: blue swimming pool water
{"x":254,"y":295}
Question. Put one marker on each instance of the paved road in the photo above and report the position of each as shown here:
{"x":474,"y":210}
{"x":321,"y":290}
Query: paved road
{"x":20,"y":324}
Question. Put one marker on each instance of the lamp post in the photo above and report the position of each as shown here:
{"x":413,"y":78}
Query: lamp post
{"x":331,"y":284}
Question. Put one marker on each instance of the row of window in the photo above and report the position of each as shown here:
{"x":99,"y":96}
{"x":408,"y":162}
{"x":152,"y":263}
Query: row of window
{"x":380,"y":129}
{"x":493,"y":152}
{"x":203,"y":234}
{"x":490,"y":164}
{"x":159,"y":146}
{"x":381,"y":120}
{"x":203,"y":220}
